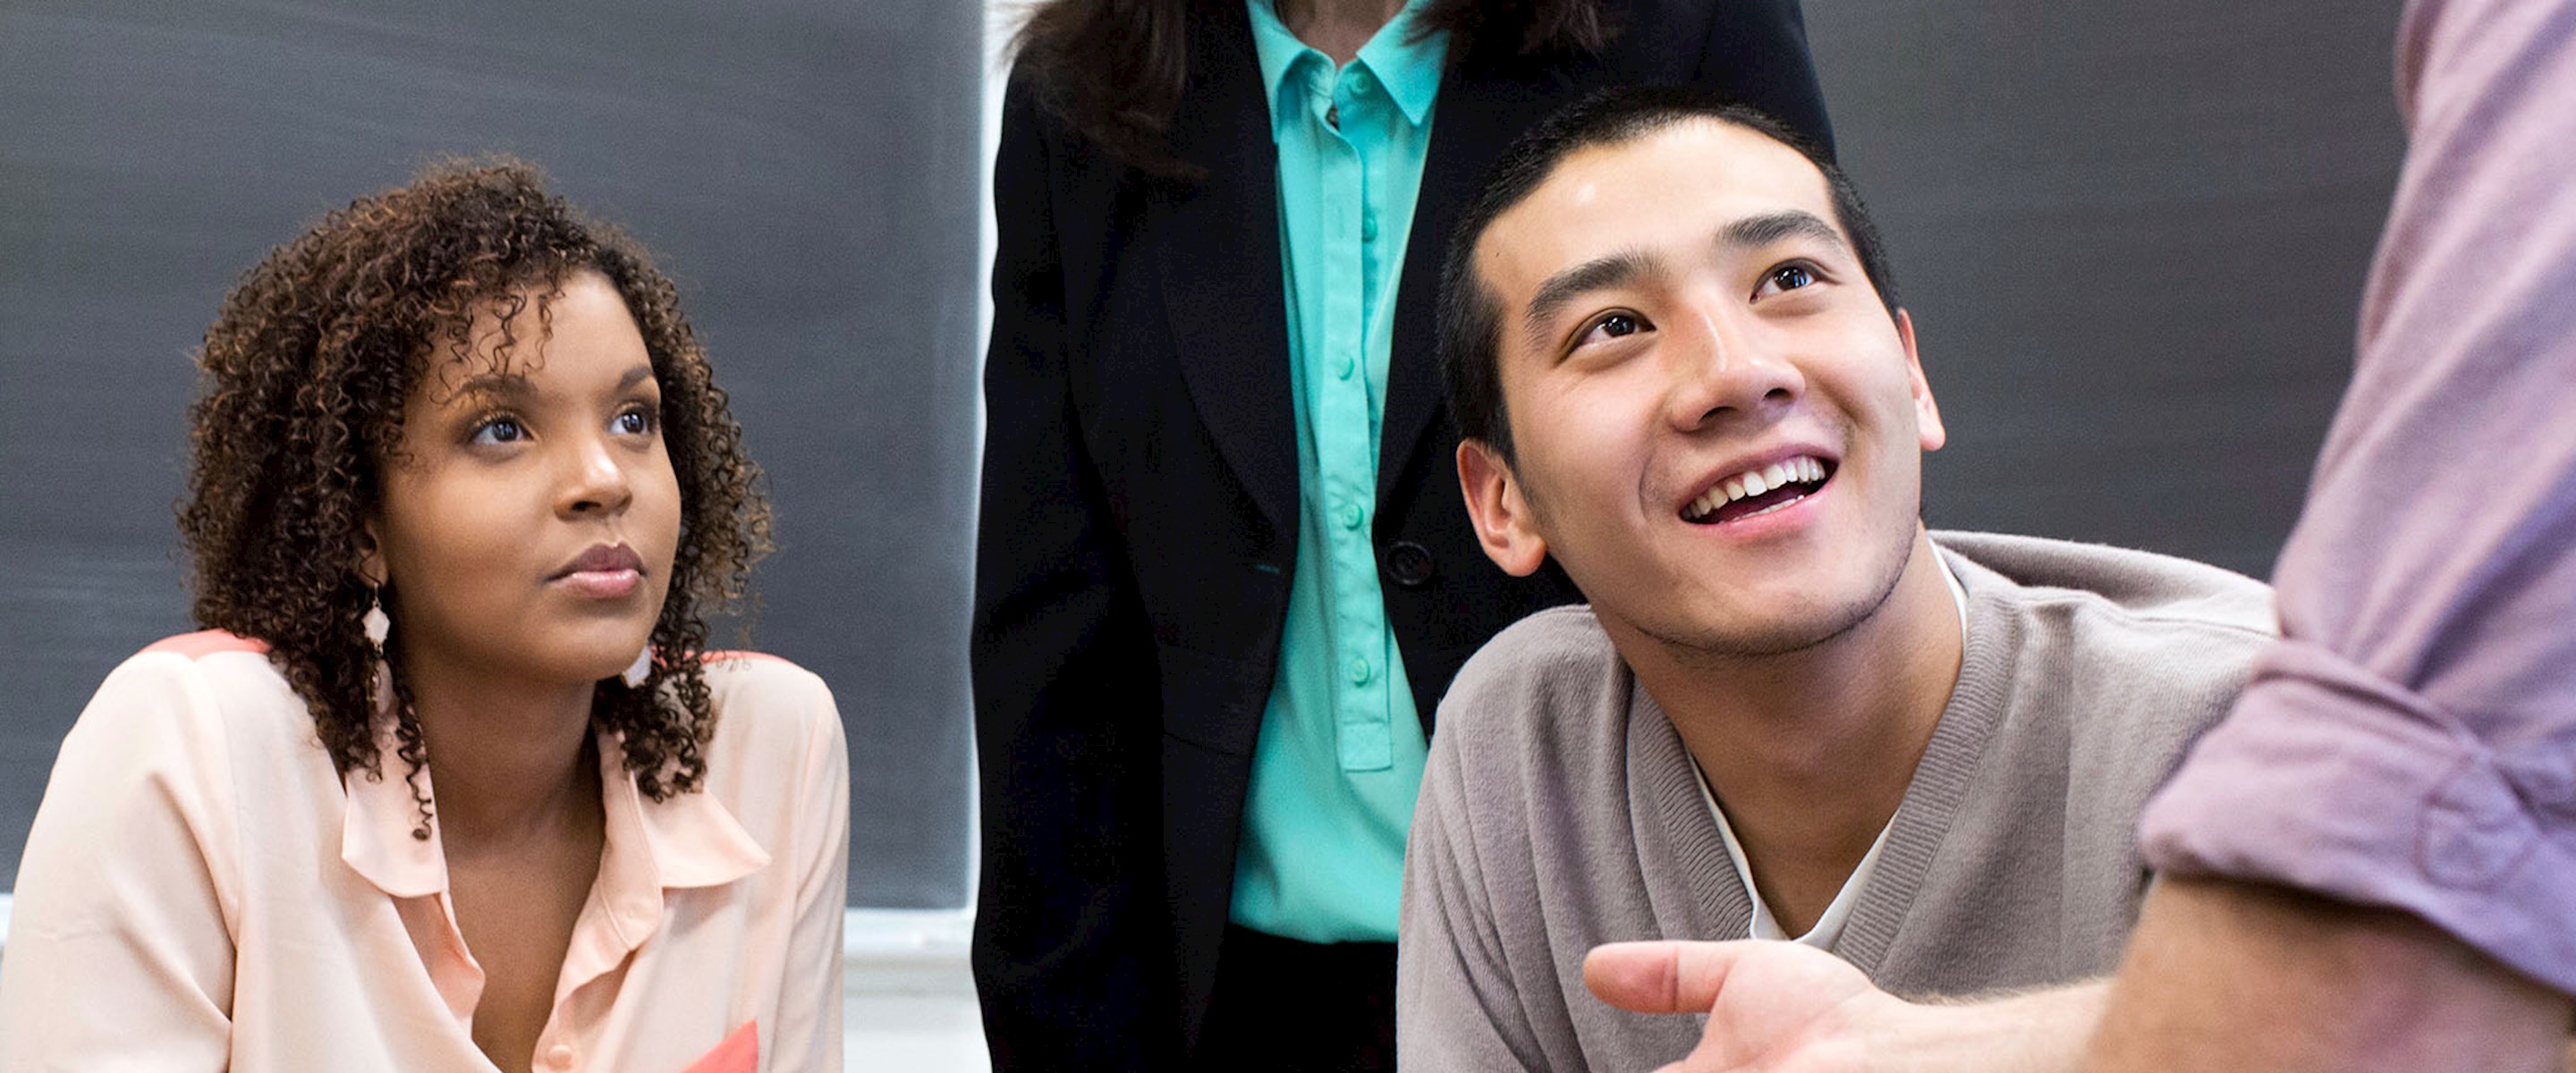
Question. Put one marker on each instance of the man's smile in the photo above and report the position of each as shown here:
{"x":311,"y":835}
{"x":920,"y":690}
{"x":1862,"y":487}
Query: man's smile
{"x":1759,"y":490}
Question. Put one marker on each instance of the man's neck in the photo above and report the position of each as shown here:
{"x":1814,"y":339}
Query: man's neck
{"x":1811,"y":752}
{"x":1337,"y":28}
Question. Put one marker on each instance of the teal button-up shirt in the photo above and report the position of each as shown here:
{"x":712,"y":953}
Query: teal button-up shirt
{"x":1341,"y":752}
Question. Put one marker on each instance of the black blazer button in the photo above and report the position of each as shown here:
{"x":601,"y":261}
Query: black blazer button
{"x":1410,"y":564}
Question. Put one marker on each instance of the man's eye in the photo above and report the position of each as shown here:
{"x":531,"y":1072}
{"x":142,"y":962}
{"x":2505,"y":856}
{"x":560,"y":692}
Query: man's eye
{"x":1612,"y":326}
{"x":500,"y":430}
{"x":1787,"y":278}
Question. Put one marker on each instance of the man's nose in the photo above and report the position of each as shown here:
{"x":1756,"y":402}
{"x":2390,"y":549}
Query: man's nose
{"x":1724,"y":373}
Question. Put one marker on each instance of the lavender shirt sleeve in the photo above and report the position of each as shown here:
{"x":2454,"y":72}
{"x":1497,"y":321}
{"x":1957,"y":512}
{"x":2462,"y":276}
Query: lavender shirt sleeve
{"x":2411,"y":741}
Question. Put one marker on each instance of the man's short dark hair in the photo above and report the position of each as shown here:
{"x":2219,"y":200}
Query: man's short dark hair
{"x":1470,"y":318}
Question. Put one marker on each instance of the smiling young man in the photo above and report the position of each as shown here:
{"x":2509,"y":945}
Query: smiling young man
{"x":1789,"y":711}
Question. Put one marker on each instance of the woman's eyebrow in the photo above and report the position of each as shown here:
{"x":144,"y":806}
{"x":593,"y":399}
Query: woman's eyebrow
{"x":495,"y":385}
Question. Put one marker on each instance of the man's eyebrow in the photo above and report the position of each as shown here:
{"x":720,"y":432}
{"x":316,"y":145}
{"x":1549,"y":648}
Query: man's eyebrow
{"x":1755,"y":232}
{"x":1629,"y":266}
{"x":1615,"y":270}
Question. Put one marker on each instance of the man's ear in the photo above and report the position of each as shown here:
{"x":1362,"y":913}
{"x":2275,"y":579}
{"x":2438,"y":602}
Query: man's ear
{"x":1927,"y":413}
{"x":1498,"y":510}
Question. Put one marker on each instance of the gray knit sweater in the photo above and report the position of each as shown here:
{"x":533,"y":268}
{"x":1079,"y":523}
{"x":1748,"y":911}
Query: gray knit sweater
{"x":1560,"y":809}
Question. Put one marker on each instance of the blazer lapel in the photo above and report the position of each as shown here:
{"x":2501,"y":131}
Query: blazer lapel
{"x":1220,"y":272}
{"x":1486,"y":99}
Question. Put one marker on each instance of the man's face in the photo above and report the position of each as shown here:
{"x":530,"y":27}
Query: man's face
{"x":1719,"y":427}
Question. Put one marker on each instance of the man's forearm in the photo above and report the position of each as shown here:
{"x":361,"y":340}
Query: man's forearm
{"x":2228,"y":976}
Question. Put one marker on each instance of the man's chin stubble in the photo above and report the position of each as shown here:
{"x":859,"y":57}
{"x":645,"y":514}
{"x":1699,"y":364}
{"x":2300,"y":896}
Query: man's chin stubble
{"x":1713,"y":649}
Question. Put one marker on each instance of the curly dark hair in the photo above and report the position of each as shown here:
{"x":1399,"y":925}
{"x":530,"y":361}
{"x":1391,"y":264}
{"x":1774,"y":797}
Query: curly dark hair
{"x":307,"y":368}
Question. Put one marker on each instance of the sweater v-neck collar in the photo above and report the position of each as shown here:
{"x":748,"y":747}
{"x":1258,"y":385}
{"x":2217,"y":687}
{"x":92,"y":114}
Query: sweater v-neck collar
{"x":1680,"y":848}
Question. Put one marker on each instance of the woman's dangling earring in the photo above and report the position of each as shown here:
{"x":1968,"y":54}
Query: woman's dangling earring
{"x":379,"y":627}
{"x":641,"y":669}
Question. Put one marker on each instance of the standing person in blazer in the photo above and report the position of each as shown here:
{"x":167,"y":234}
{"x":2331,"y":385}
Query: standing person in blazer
{"x":1223,"y":577}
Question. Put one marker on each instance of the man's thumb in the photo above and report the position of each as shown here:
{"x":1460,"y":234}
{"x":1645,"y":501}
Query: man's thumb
{"x":1660,"y":977}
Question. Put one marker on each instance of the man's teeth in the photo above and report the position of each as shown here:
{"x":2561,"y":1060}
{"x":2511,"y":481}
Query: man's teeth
{"x":1754,"y":482}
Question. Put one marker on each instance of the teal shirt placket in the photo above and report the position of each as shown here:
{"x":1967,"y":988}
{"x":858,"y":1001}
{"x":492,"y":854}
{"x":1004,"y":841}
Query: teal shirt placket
{"x":1340,"y":753}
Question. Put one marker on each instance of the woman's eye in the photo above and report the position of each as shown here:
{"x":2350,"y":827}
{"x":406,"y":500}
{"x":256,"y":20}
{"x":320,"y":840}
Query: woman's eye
{"x":500,"y":430}
{"x":635,"y":422}
{"x":1787,"y":278}
{"x":1613,"y":326}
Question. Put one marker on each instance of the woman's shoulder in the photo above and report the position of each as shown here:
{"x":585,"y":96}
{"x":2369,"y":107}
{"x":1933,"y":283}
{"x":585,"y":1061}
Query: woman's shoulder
{"x":186,"y":711}
{"x":203,"y":643}
{"x":760,"y":673}
{"x":779,"y":750}
{"x":208,"y":681}
{"x":763,"y":698}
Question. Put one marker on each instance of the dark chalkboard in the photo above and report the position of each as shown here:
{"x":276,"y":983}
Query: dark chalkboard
{"x":804,"y":168}
{"x":2133,"y":237}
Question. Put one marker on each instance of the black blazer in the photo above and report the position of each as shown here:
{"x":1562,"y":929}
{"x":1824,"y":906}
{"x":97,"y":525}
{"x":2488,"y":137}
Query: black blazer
{"x":1140,"y":507}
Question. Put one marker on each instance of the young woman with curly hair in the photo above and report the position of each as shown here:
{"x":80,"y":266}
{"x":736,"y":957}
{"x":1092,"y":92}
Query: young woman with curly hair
{"x":450,"y":780}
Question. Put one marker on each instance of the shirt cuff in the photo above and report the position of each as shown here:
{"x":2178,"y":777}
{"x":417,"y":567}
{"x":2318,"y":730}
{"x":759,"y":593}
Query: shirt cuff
{"x":2329,"y":779}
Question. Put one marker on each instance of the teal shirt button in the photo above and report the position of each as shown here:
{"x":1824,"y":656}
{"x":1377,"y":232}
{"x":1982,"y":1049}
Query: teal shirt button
{"x":1339,"y":759}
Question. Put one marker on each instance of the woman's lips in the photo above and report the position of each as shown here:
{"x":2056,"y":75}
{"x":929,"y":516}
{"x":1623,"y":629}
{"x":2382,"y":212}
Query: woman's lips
{"x":602,"y":584}
{"x":605,"y":571}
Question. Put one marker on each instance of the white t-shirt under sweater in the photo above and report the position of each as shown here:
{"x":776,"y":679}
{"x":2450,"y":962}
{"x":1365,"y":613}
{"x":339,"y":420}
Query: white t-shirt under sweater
{"x":1829,"y":924}
{"x":1560,"y":810}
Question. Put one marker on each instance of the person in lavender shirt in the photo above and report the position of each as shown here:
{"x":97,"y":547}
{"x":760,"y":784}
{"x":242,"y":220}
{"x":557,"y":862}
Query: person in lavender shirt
{"x":2371,"y":865}
{"x":2379,"y":845}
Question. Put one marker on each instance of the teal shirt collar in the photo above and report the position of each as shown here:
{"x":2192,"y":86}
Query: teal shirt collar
{"x":1409,"y":69}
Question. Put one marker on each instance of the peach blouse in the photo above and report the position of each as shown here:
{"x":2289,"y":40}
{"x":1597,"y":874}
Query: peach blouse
{"x":203,"y":891}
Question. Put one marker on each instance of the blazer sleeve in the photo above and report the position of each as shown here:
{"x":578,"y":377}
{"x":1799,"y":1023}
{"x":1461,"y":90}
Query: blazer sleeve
{"x":1070,"y":951}
{"x":120,"y":944}
{"x":1757,"y":53}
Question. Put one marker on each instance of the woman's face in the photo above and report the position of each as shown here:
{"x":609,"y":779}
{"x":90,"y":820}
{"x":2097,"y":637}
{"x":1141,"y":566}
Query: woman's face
{"x":529,"y":520}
